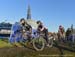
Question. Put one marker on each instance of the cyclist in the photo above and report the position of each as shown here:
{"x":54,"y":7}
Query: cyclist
{"x":26,"y":28}
{"x":42,"y":29}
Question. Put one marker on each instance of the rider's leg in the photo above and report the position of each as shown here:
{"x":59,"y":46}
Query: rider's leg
{"x":46,"y":35}
{"x":29,"y":37}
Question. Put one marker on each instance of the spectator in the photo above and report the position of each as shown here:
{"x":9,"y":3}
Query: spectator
{"x":61,"y":33}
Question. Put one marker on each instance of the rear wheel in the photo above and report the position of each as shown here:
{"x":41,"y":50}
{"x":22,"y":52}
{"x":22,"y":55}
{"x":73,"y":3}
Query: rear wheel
{"x":50,"y":41}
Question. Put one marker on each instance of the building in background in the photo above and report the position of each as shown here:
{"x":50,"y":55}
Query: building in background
{"x":5,"y":29}
{"x":29,"y":19}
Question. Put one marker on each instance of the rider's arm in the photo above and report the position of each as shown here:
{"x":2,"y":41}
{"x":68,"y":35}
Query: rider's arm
{"x":43,"y":27}
{"x":30,"y":29}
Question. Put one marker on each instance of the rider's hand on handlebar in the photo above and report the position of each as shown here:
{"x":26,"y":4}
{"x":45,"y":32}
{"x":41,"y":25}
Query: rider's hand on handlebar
{"x":23,"y":30}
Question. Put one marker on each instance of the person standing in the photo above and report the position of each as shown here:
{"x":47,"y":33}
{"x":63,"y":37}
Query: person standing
{"x":61,"y":33}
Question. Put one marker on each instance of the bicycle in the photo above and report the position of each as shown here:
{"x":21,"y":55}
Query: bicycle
{"x":38,"y":41}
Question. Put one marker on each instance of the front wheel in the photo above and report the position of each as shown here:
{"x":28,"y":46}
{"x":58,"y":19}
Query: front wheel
{"x":38,"y":43}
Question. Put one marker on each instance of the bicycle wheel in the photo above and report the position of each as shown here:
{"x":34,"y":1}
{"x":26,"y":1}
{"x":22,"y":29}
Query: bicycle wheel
{"x":38,"y":43}
{"x":50,"y":41}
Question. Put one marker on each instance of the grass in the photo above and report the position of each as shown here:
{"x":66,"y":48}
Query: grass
{"x":19,"y":50}
{"x":4,"y":43}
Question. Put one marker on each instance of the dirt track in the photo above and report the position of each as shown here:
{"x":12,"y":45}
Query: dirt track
{"x":29,"y":52}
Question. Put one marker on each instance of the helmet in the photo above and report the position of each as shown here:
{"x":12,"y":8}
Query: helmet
{"x":39,"y":22}
{"x":60,"y":27}
{"x":22,"y":19}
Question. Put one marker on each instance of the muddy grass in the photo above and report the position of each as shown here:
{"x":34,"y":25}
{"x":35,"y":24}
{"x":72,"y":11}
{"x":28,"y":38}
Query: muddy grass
{"x":8,"y":50}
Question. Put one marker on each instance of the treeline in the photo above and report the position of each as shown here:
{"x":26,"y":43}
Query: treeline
{"x":4,"y":25}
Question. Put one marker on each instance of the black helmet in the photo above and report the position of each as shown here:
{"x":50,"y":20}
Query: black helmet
{"x":22,"y":19}
{"x":39,"y":22}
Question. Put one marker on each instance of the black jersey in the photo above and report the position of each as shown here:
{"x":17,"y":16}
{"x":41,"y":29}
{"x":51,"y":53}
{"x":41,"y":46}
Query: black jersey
{"x":26,"y":27}
{"x":40,"y":27}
